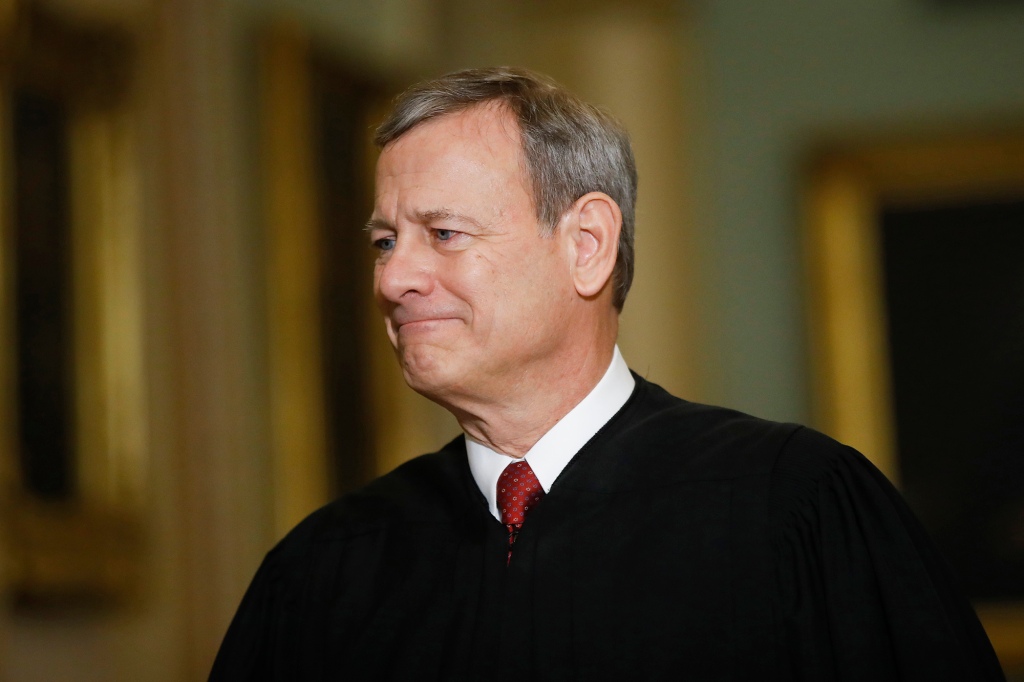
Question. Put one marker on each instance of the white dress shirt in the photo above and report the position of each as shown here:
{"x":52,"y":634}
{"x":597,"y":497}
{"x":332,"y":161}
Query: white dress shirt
{"x":560,"y":444}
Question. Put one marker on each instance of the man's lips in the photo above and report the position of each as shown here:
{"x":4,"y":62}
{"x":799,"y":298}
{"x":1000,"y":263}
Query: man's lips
{"x":426,"y":322}
{"x":410,"y":322}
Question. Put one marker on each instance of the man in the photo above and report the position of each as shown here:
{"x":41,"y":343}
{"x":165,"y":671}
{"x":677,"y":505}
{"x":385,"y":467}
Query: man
{"x":587,"y":525}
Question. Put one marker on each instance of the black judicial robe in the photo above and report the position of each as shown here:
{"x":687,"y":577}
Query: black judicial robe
{"x":682,"y":542}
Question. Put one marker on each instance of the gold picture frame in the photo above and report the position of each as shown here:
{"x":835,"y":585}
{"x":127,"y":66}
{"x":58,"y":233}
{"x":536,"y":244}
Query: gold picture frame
{"x":81,"y":545}
{"x":850,"y":365}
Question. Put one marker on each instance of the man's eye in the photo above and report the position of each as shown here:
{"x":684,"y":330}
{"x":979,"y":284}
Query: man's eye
{"x":384,"y":243}
{"x":444,"y":235}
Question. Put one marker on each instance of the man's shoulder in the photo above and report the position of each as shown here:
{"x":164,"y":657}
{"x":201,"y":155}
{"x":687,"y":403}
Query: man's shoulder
{"x":666,"y":434}
{"x":727,"y":443}
{"x":653,"y":408}
{"x":661,"y":439}
{"x":428,"y":485}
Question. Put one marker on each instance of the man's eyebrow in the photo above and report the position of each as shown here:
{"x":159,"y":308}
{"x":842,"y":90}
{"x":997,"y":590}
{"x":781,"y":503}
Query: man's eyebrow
{"x":377,"y":224}
{"x":436,"y":215}
{"x":446,"y":215}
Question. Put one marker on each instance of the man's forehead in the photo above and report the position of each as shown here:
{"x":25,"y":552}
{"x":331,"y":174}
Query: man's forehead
{"x":448,"y":159}
{"x":490,"y":125}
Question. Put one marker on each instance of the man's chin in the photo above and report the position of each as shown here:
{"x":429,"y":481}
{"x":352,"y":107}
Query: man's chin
{"x":427,"y":370}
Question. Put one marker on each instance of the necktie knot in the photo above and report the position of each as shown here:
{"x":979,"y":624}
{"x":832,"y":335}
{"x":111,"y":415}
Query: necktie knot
{"x":519,"y":491}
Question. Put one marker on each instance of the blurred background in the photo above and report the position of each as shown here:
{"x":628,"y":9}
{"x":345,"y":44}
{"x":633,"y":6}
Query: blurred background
{"x":830,"y":231}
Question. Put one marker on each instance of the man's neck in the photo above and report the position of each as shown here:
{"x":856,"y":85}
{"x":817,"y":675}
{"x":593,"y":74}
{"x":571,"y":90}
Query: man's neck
{"x":513,"y":427}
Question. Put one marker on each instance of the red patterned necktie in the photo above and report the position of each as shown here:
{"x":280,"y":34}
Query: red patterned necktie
{"x":519,"y":491}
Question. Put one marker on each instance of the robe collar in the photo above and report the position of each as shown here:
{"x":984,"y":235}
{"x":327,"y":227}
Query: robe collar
{"x":560,"y":444}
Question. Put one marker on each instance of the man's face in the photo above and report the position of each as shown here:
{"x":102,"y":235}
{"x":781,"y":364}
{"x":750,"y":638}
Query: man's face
{"x":476,"y":300}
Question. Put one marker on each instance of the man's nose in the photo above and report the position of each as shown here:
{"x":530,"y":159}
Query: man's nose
{"x":407,"y":270}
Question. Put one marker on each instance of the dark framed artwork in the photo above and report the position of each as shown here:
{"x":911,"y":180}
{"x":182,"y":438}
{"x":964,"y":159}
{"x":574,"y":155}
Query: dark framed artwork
{"x":72,"y":416}
{"x":916,"y":298}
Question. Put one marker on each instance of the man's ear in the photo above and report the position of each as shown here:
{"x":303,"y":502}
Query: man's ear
{"x":596,"y":221}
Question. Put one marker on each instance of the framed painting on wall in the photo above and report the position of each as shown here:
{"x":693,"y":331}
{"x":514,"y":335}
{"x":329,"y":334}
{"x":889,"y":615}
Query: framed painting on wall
{"x":915,"y":263}
{"x":72,"y":399}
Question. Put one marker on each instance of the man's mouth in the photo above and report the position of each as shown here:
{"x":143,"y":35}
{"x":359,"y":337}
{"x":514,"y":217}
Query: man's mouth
{"x":422,"y":323}
{"x":410,"y":320}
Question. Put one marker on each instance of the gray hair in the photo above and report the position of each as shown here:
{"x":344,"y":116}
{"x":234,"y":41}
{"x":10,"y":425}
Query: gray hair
{"x":571,"y":147}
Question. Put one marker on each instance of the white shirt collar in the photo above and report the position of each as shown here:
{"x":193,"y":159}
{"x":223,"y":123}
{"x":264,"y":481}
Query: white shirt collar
{"x":560,"y":444}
